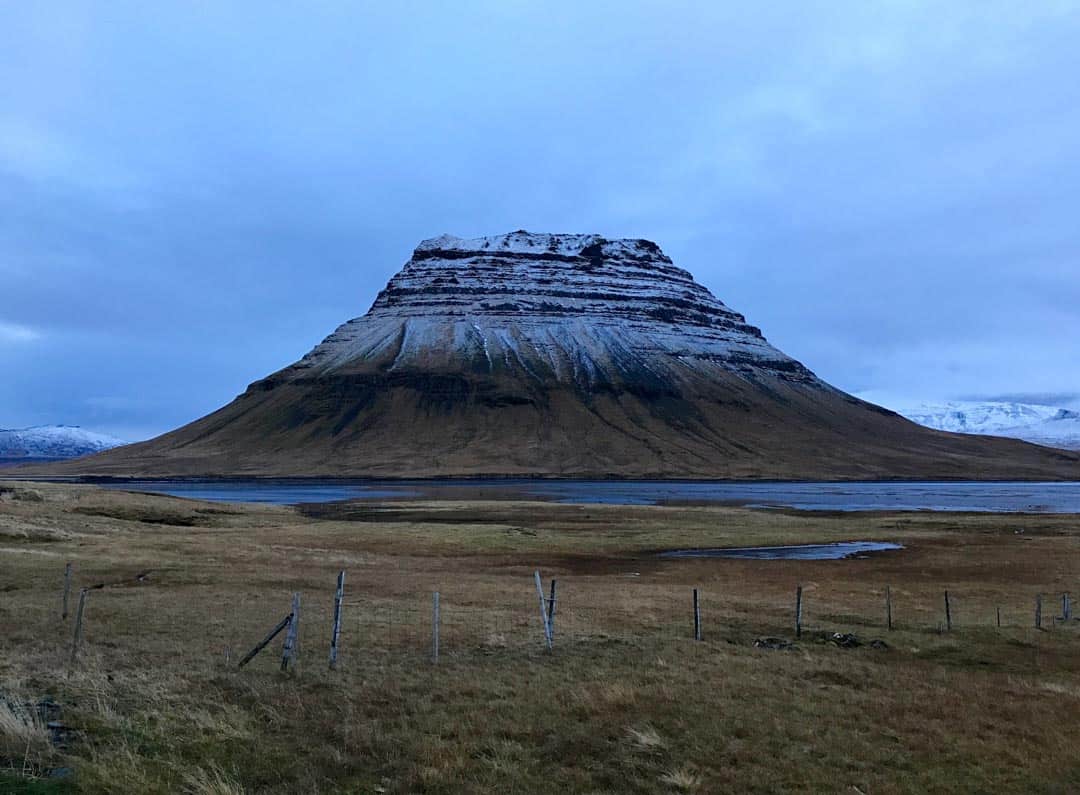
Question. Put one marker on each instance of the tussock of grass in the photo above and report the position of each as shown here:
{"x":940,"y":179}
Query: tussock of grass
{"x":25,"y":747}
{"x":683,"y":779}
{"x":21,"y":723}
{"x":210,"y":781}
{"x":18,"y":529}
{"x":645,"y":739}
{"x":20,"y":494}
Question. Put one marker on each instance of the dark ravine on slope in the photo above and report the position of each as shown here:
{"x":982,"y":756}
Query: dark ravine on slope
{"x":561,"y":356}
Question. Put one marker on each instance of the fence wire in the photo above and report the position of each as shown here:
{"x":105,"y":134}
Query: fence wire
{"x":138,"y":624}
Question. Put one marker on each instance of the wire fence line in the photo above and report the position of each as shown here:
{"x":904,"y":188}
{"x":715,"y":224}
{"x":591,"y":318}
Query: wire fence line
{"x":142,"y":621}
{"x":461,"y":627}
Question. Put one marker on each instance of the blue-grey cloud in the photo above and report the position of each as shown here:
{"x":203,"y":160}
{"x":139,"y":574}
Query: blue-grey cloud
{"x":193,"y":195}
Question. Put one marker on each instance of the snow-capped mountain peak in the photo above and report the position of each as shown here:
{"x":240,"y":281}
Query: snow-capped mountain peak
{"x":580,"y":308}
{"x":54,"y":441}
{"x":1052,"y":426}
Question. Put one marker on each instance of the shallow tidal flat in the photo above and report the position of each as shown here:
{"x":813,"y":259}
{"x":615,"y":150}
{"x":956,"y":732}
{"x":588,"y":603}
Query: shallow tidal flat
{"x":627,"y":700}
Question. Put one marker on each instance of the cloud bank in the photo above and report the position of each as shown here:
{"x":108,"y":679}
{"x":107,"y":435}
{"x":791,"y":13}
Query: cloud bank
{"x":191,"y":196}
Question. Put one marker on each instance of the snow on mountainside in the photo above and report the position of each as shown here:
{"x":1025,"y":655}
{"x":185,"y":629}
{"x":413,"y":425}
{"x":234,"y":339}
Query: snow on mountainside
{"x":54,"y":441}
{"x":580,"y":308}
{"x":1062,"y":430}
{"x":1047,"y":425}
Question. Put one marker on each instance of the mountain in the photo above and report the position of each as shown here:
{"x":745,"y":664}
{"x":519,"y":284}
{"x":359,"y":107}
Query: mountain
{"x":53,"y":442}
{"x":564,"y":356}
{"x":1062,"y":430}
{"x":1052,"y":426}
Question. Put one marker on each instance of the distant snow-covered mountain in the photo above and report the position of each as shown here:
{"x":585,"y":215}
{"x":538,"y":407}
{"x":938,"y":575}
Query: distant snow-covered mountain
{"x":53,"y":442}
{"x":1052,"y":426}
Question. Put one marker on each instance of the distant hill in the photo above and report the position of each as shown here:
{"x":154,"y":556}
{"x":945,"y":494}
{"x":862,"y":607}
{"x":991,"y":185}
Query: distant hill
{"x":558,"y":356}
{"x":52,"y":443}
{"x":1051,"y":426}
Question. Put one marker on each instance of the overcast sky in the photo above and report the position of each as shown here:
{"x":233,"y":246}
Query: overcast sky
{"x":193,"y":194}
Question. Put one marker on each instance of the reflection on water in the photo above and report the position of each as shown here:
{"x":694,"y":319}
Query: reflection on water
{"x":274,"y":492}
{"x":923,"y":496}
{"x":837,"y":551}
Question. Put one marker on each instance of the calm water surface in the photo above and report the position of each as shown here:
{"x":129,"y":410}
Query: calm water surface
{"x":924,"y":496}
{"x":837,"y":551}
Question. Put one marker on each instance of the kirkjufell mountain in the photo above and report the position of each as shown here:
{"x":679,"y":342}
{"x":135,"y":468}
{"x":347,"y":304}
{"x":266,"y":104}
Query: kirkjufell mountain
{"x":563,"y":356}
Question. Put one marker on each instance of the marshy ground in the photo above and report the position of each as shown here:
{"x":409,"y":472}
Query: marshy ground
{"x":628,"y":701}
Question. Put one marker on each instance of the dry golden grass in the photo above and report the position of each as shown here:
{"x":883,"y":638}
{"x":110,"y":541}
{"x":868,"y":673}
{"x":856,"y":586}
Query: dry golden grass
{"x":24,"y":738}
{"x":684,"y":779}
{"x":626,"y":703}
{"x":203,"y":781}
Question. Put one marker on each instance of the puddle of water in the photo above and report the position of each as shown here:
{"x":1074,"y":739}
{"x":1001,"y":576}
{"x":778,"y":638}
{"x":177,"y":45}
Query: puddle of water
{"x":837,"y":551}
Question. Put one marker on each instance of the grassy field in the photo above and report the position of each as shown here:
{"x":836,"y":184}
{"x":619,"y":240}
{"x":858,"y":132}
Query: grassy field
{"x":626,"y":702}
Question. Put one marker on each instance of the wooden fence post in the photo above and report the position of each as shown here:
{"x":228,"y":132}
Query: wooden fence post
{"x":77,"y":637}
{"x":798,"y":612}
{"x":543,"y":609}
{"x":697,"y":616}
{"x":999,"y":618}
{"x":435,"y":627}
{"x":263,"y":643}
{"x":339,"y":596}
{"x":888,"y":608}
{"x":551,"y":608}
{"x":1038,"y":611}
{"x":67,"y":591}
{"x":1066,"y":607}
{"x":288,"y":649}
{"x":948,"y":613}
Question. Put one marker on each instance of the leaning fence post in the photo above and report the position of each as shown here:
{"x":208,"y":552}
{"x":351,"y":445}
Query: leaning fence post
{"x":948,"y":613}
{"x":77,"y":637}
{"x":288,"y":649}
{"x":67,"y":591}
{"x":435,"y":627}
{"x":339,"y":596}
{"x":1038,"y":611}
{"x":263,"y":643}
{"x":543,"y":609}
{"x":798,"y":612}
{"x":697,"y":616}
{"x":888,"y":608}
{"x":999,"y":618}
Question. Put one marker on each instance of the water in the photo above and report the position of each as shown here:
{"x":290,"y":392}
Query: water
{"x":825,"y":496}
{"x":273,"y":492}
{"x":837,"y":551}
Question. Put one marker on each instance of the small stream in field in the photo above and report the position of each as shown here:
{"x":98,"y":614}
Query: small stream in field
{"x":836,"y":551}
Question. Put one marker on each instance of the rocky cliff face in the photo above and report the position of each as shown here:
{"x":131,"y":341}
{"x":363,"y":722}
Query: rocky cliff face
{"x":558,"y":355}
{"x":574,"y":309}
